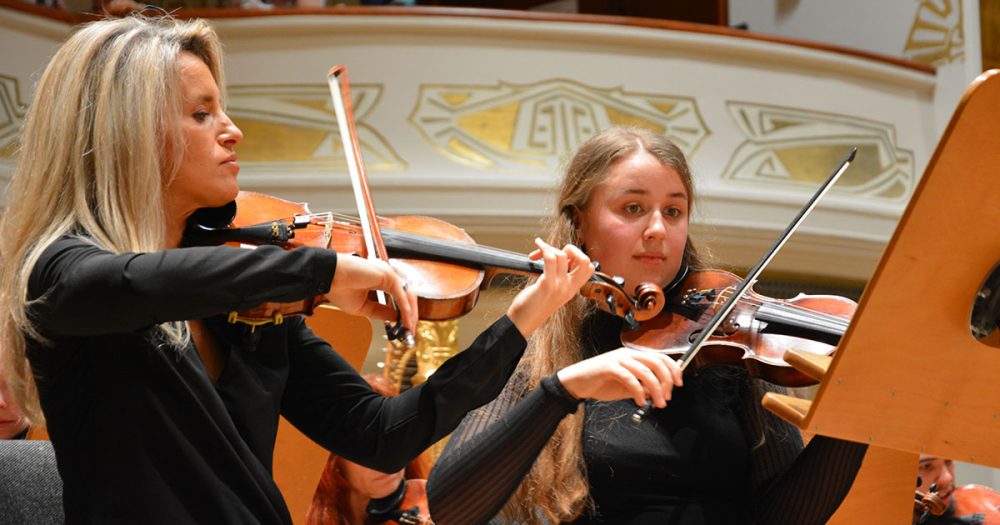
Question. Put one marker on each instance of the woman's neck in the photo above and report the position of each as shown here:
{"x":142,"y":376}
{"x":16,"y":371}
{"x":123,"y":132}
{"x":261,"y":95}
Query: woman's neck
{"x":357,"y":507}
{"x":175,"y":231}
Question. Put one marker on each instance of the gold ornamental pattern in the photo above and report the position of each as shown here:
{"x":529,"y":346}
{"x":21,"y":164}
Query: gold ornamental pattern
{"x":12,"y":112}
{"x":513,"y":128}
{"x":798,"y":148}
{"x":296,"y":126}
{"x":936,"y":37}
{"x":434,"y":343}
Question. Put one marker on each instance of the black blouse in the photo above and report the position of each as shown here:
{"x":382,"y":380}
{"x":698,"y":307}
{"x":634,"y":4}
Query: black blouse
{"x":713,"y":456}
{"x":142,"y":434}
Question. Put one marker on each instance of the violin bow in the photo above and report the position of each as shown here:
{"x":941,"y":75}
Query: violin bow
{"x":341,"y":95}
{"x":730,"y":303}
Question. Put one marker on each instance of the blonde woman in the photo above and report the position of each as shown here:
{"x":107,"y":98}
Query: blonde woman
{"x":710,"y":456}
{"x":159,"y":411}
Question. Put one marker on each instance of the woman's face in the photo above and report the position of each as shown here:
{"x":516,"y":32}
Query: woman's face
{"x":368,"y":482}
{"x":12,"y":422}
{"x":207,"y":175}
{"x":636,"y":222}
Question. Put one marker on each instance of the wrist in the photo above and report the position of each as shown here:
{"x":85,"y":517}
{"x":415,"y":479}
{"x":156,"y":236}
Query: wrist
{"x":555,"y":387}
{"x":523,"y":320}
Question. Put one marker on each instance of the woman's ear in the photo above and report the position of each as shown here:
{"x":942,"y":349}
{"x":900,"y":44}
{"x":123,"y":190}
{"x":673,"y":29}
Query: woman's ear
{"x":577,"y":220}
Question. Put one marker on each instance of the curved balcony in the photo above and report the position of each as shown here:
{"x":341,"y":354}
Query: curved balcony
{"x":466,"y":114}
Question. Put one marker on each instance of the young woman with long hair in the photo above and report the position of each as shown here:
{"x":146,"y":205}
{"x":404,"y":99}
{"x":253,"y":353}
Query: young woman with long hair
{"x":711,"y":456}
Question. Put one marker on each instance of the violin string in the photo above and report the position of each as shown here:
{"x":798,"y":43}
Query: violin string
{"x":483,"y":249}
{"x":791,"y":309}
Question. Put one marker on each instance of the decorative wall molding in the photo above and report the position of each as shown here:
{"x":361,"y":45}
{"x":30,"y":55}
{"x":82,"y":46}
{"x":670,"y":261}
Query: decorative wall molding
{"x":797,"y":148}
{"x":508,"y":127}
{"x":288,"y":126}
{"x":12,"y":112}
{"x":937,"y":36}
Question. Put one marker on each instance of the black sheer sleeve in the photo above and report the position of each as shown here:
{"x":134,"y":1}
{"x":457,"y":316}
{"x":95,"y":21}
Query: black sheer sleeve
{"x":789,"y":484}
{"x":492,"y":450}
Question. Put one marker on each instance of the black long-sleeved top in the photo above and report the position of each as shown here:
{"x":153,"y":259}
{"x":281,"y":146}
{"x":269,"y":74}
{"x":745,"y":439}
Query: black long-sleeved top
{"x":713,"y":456}
{"x":143,"y":435}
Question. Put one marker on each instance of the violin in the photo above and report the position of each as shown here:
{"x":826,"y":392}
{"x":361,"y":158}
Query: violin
{"x":406,"y":506}
{"x":967,"y":500}
{"x":978,"y":499}
{"x":439,"y":261}
{"x":754,"y":335}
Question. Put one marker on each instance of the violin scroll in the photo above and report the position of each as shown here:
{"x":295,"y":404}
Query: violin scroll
{"x":928,"y":504}
{"x":608,"y":294}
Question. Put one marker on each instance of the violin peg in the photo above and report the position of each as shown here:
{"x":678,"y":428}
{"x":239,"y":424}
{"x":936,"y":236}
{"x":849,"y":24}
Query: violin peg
{"x":630,"y":320}
{"x":612,"y":305}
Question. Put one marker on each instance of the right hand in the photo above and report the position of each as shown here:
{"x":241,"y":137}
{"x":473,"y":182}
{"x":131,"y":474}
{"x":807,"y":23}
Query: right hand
{"x":622,"y":374}
{"x":356,"y":276}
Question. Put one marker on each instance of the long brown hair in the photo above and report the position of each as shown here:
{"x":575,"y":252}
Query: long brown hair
{"x":91,"y":161}
{"x":329,"y":503}
{"x":556,"y":487}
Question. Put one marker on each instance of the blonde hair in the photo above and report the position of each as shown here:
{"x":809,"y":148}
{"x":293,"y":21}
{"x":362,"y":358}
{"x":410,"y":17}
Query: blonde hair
{"x":91,"y":160}
{"x":556,"y":487}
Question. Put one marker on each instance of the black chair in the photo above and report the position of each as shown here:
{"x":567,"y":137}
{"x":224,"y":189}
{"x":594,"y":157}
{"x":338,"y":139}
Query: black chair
{"x":30,"y":487}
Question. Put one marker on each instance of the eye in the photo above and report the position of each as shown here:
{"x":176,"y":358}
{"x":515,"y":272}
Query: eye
{"x":673,"y":212}
{"x":632,"y":208}
{"x":201,"y":116}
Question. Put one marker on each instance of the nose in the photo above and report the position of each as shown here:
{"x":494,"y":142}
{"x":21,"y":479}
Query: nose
{"x":947,"y":478}
{"x":231,"y":134}
{"x":656,"y":227}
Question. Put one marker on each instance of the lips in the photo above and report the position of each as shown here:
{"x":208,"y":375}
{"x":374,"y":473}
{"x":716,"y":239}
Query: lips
{"x":650,"y":258}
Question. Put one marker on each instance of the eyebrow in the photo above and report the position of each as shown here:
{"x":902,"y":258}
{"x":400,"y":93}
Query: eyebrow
{"x":198,"y":99}
{"x":638,"y":191}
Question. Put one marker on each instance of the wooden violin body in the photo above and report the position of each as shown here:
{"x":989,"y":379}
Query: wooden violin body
{"x":978,"y":499}
{"x":755,"y":335}
{"x":444,"y":290}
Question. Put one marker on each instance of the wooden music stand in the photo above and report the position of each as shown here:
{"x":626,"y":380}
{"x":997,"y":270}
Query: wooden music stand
{"x":909,"y":377}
